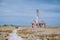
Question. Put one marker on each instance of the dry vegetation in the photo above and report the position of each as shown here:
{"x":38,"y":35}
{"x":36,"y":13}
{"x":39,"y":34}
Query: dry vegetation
{"x":28,"y":33}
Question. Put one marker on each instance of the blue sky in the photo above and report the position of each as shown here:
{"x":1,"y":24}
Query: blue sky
{"x":22,"y":12}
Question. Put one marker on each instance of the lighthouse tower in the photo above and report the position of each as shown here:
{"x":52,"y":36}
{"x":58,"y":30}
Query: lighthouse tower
{"x":37,"y":16}
{"x":35,"y":22}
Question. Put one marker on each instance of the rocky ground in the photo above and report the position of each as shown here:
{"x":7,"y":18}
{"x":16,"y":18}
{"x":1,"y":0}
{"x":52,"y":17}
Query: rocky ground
{"x":28,"y":33}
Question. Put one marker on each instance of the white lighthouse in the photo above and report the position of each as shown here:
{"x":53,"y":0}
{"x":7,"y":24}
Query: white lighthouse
{"x":36,"y":23}
{"x":37,"y":16}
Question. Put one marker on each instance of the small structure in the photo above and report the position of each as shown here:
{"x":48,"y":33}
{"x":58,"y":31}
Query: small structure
{"x":36,"y":23}
{"x":42,"y":24}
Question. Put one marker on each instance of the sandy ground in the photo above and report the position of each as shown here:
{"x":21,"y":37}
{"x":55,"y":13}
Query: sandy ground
{"x":29,"y":33}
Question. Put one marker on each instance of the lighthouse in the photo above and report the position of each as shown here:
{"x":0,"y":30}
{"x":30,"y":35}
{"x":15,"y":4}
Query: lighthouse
{"x":37,"y":16}
{"x":36,"y":23}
